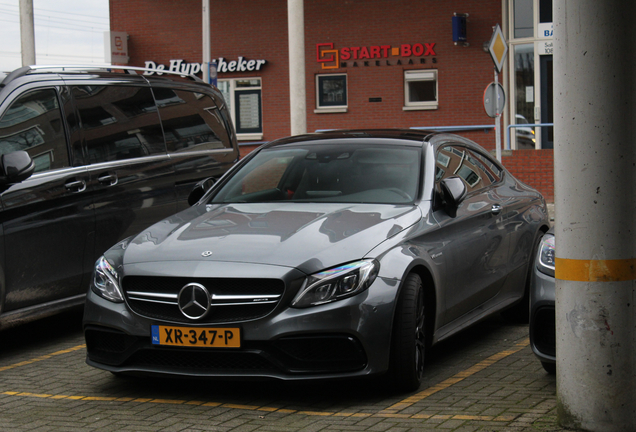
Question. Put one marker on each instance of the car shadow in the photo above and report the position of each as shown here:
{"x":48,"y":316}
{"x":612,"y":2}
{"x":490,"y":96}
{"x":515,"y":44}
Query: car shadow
{"x":43,"y":334}
{"x":444,"y":360}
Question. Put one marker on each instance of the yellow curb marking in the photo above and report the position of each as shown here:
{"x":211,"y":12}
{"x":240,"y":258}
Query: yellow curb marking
{"x":44,"y":357}
{"x":316,"y":413}
{"x":455,"y":378}
{"x":268,"y":409}
{"x":391,"y":412}
{"x":168,"y":401}
{"x":615,"y":270}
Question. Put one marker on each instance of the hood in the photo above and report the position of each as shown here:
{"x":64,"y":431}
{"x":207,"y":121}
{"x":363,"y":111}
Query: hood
{"x":306,"y":236}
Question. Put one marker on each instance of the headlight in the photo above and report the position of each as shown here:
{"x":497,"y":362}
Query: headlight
{"x":545,"y":259}
{"x":337,"y":283}
{"x":106,"y":281}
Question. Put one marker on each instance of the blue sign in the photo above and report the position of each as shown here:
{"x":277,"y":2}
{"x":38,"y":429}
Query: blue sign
{"x":459,"y":28}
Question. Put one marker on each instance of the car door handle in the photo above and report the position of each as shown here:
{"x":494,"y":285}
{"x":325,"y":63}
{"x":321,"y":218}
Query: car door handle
{"x":76,"y":185}
{"x":108,"y":179}
{"x":496,"y":209}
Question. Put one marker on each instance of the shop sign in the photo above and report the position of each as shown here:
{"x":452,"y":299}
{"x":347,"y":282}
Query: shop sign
{"x":116,"y":47}
{"x":222,"y":66}
{"x":380,"y":55}
{"x":545,"y":30}
{"x":546,"y":48}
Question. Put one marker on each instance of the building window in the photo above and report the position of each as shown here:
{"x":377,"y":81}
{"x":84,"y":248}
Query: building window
{"x":530,"y":66}
{"x":420,"y":89}
{"x":523,"y":18}
{"x":331,"y":93}
{"x":243,"y":97}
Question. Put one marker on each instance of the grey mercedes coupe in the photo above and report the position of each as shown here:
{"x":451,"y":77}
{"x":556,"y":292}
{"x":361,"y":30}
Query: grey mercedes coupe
{"x":322,"y":256}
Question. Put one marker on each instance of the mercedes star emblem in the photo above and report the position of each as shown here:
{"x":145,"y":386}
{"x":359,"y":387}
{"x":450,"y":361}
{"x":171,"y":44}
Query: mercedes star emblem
{"x":194,"y":301}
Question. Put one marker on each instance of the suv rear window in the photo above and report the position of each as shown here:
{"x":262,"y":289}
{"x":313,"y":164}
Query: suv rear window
{"x":118,"y":122}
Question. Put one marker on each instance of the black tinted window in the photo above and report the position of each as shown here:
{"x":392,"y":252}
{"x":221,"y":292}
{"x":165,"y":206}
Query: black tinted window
{"x":476,"y":169}
{"x":191,"y":121}
{"x":118,"y":122}
{"x":33,"y":123}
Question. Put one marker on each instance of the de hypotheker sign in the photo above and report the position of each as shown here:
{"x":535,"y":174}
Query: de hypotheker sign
{"x":222,"y":66}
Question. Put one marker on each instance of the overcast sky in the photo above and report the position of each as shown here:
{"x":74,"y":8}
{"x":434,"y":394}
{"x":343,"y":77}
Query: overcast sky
{"x":66,"y":32}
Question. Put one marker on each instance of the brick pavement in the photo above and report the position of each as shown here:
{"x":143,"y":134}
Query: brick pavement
{"x":485,"y":379}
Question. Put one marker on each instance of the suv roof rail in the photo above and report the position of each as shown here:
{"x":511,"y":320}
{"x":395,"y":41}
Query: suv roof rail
{"x":128,"y":69}
{"x":13,"y":75}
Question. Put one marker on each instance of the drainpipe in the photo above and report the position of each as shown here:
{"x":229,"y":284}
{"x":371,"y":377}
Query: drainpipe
{"x":205,"y":12}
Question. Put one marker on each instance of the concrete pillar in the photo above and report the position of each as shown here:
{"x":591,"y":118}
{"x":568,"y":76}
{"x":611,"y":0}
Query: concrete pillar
{"x":297,"y":93}
{"x":27,"y":32}
{"x":595,"y":166}
{"x":205,"y":66}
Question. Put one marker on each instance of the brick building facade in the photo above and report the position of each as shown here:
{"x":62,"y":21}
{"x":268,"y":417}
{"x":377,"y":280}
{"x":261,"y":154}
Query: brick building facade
{"x":368,"y":51}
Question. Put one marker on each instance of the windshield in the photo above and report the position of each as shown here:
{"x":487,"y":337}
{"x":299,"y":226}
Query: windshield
{"x":327,"y":173}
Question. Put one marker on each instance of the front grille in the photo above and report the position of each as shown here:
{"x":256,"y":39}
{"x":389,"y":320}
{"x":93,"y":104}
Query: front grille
{"x":328,"y":353}
{"x":201,"y":361}
{"x":544,"y":330}
{"x":107,"y":340}
{"x":109,"y":346}
{"x":234,"y":300}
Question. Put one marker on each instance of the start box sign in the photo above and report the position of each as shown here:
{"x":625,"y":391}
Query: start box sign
{"x":116,"y":47}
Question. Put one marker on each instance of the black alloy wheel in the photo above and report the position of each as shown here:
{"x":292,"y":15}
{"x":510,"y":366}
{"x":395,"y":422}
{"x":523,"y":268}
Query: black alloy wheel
{"x":408,"y":343}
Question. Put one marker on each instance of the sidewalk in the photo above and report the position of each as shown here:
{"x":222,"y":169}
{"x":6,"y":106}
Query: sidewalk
{"x":485,"y":379}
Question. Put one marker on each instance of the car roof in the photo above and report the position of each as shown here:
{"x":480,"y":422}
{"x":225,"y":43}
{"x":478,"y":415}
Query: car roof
{"x":409,"y":137}
{"x":396,"y":136}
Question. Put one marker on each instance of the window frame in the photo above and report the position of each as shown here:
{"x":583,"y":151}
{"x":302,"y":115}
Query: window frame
{"x":233,"y":93}
{"x":418,"y":75}
{"x":332,"y":108}
{"x":480,"y":167}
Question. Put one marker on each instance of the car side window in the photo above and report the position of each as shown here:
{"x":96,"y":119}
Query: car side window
{"x":191,"y":121}
{"x":474,"y":168}
{"x":118,"y":122}
{"x":33,"y":123}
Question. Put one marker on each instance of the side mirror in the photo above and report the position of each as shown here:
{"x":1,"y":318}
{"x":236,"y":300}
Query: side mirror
{"x":15,"y":167}
{"x":453,"y":192}
{"x":200,"y":189}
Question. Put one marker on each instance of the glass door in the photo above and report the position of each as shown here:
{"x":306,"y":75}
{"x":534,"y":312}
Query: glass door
{"x":547,"y":114}
{"x":524,"y":137}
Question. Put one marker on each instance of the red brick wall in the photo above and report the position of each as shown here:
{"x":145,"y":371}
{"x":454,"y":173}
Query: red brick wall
{"x":463,"y":72}
{"x":161,"y":30}
{"x":533,"y":167}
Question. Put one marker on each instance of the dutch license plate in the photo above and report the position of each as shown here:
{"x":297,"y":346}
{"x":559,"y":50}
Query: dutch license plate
{"x":220,"y":337}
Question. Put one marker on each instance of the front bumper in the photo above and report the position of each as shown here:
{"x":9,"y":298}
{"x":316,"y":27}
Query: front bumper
{"x":542,"y":317}
{"x":346,"y":338}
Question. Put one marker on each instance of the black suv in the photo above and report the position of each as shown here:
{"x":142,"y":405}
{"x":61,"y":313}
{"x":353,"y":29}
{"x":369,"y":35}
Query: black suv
{"x":89,"y":157}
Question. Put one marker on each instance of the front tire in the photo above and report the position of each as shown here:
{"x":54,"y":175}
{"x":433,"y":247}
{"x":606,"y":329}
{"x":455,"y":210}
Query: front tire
{"x":408,"y":343}
{"x":549,"y":367}
{"x":520,"y":313}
